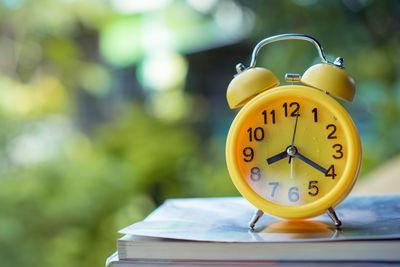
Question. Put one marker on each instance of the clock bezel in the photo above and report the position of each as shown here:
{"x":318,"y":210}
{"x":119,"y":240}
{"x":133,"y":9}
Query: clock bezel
{"x":340,"y":190}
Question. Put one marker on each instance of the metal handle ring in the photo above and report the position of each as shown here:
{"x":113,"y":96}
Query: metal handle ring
{"x":288,"y":36}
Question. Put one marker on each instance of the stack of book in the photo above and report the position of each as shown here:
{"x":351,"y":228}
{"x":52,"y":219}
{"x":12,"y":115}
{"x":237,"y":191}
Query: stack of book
{"x":215,"y":232}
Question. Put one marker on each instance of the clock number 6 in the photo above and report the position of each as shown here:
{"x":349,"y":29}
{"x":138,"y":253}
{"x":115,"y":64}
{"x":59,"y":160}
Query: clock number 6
{"x":293,"y":194}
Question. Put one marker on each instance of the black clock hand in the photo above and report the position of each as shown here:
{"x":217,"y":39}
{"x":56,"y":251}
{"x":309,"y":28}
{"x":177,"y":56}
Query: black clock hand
{"x":277,"y":157}
{"x":294,"y":132}
{"x":309,"y":162}
{"x":294,"y":135}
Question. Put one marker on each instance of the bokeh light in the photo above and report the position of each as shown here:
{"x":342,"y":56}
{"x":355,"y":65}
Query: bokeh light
{"x":107,"y":108}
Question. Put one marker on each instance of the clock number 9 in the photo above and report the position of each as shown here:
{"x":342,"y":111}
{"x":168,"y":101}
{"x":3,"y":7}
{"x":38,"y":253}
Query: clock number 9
{"x":293,"y":194}
{"x":255,"y":174}
{"x":248,"y":153}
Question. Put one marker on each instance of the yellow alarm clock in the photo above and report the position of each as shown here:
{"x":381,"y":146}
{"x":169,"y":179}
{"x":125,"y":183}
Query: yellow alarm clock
{"x":293,"y":151}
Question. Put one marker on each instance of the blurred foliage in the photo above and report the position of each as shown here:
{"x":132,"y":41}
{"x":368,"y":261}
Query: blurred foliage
{"x":107,"y":108}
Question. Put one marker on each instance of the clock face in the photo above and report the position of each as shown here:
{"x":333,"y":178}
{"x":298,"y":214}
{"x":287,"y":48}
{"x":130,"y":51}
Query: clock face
{"x":293,"y":148}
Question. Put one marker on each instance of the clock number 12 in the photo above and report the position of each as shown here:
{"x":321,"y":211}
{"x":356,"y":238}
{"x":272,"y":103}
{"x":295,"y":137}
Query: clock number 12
{"x":295,"y":112}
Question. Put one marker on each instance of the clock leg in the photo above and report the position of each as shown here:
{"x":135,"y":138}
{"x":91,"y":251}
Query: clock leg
{"x":332,"y":214}
{"x":256,"y":217}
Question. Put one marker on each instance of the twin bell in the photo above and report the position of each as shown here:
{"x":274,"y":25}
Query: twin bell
{"x":328,"y":77}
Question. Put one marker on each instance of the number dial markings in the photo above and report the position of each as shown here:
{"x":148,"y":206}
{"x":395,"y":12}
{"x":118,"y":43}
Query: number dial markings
{"x":319,"y":138}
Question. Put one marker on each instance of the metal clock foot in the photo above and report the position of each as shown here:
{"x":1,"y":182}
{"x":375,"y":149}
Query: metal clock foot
{"x":255,"y":218}
{"x":332,"y":214}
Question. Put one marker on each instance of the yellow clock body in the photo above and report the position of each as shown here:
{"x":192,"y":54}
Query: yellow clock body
{"x":293,"y":152}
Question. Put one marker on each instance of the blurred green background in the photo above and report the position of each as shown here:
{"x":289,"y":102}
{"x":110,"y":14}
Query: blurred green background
{"x":109,"y":107}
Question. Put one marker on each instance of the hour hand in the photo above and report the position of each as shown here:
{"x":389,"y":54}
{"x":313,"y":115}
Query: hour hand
{"x":277,"y":157}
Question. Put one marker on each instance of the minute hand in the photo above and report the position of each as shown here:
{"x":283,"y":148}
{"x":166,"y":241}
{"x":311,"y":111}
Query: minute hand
{"x":311,"y":163}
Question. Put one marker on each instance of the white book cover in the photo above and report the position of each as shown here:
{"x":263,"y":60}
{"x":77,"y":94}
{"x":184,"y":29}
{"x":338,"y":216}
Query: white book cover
{"x":227,"y":220}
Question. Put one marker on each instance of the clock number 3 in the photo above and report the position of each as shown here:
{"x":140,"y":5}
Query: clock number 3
{"x":338,"y":149}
